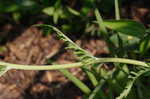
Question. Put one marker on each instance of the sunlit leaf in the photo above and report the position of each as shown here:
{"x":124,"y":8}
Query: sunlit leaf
{"x":126,"y":39}
{"x":56,"y":17}
{"x":73,"y":11}
{"x":128,"y":27}
{"x":49,"y":11}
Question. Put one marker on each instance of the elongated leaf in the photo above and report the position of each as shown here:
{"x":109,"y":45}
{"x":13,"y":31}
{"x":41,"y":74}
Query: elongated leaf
{"x":130,"y":83}
{"x":98,"y":93}
{"x":128,"y":27}
{"x":145,"y":45}
{"x":76,"y":81}
{"x":100,"y":22}
{"x":74,"y":12}
{"x":82,"y":54}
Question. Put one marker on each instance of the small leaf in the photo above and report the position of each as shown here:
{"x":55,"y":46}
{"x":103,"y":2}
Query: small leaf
{"x":145,"y":45}
{"x":49,"y":11}
{"x":74,"y":12}
{"x":148,"y":30}
{"x":3,"y":69}
{"x":56,"y":17}
{"x":85,"y":11}
{"x":100,"y":22}
{"x":127,"y":40}
{"x":128,"y":27}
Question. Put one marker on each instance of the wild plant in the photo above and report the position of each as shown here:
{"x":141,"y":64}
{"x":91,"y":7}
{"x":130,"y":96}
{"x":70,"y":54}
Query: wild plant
{"x":125,"y":80}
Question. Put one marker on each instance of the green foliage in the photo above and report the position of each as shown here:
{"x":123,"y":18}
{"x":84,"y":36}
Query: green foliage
{"x":18,"y":8}
{"x":11,"y":6}
{"x":86,"y":58}
{"x":145,"y":45}
{"x":128,"y":27}
{"x":120,"y":39}
{"x":125,"y":38}
{"x":131,"y":81}
{"x":81,"y":53}
{"x":100,"y":22}
{"x":76,"y":81}
{"x":57,"y":11}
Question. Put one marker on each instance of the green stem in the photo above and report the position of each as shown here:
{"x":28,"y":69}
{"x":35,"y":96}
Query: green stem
{"x":103,"y":30}
{"x":117,"y":10}
{"x":76,"y":81}
{"x":122,"y":60}
{"x":100,"y":22}
{"x":97,"y":92}
{"x":91,"y":76}
{"x":73,"y":65}
{"x":41,"y":67}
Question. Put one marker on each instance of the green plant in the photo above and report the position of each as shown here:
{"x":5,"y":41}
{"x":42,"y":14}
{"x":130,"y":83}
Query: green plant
{"x":18,"y":8}
{"x":125,"y":80}
{"x":86,"y":60}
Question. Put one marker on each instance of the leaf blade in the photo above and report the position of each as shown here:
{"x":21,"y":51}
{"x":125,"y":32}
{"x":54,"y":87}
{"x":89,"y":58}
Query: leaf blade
{"x":128,"y":27}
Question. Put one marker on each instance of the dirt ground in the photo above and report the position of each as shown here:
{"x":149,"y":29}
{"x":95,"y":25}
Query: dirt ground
{"x":29,"y":46}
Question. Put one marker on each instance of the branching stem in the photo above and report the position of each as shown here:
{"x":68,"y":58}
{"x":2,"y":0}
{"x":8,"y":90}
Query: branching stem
{"x":73,"y":65}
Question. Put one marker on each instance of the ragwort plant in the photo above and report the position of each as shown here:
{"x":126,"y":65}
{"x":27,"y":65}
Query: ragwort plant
{"x":125,"y":80}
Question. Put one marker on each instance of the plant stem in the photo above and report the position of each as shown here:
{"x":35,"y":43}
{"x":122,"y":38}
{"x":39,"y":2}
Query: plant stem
{"x":122,"y":60}
{"x":117,"y":13}
{"x":84,"y":88}
{"x":98,"y":91}
{"x":41,"y":67}
{"x":100,"y":22}
{"x":73,"y":65}
{"x":91,"y":77}
{"x":103,"y":30}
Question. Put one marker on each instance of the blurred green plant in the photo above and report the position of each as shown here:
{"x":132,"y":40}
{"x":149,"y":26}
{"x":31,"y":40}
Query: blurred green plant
{"x":65,"y":13}
{"x":18,"y":8}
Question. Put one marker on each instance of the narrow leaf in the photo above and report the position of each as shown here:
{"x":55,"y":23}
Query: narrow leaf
{"x":74,"y":12}
{"x":76,"y":81}
{"x":145,"y":45}
{"x":130,"y":83}
{"x":82,"y":54}
{"x":100,"y":22}
{"x":128,"y":27}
